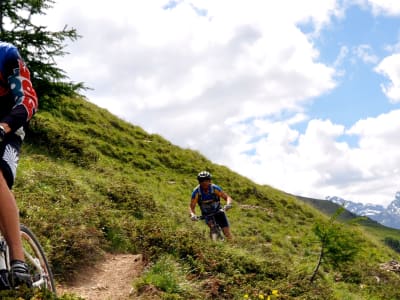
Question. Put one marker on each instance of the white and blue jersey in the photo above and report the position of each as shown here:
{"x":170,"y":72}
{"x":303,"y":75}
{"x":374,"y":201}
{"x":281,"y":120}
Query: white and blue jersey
{"x":18,"y":103}
{"x":209,"y":201}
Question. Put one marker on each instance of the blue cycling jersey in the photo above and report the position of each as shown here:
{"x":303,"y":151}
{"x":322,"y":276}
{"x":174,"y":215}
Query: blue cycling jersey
{"x":209,"y":201}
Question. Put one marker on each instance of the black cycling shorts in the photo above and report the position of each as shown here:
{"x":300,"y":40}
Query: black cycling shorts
{"x":9,"y":153}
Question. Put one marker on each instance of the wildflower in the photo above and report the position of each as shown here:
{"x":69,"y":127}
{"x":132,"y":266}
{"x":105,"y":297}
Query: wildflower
{"x":275,"y":292}
{"x":246,"y":296}
{"x":260,"y":296}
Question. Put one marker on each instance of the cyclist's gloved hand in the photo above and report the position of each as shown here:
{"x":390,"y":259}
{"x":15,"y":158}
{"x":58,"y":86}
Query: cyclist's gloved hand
{"x":193,"y":217}
{"x":227,"y":206}
{"x":2,"y":133}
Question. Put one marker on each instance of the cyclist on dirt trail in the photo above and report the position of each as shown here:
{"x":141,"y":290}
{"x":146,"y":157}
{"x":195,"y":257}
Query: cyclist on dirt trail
{"x":18,"y":103}
{"x":207,"y":195}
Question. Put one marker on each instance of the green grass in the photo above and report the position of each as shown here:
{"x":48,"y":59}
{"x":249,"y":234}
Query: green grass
{"x":90,"y":183}
{"x":167,"y":276}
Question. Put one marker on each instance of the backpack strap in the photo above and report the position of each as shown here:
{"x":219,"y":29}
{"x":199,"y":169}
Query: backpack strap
{"x":212,"y":191}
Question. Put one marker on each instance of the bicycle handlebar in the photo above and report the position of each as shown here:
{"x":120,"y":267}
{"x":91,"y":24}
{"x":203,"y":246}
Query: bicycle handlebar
{"x":202,"y":217}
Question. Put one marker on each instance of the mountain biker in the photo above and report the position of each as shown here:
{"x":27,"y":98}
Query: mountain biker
{"x":207,"y":195}
{"x":18,"y":103}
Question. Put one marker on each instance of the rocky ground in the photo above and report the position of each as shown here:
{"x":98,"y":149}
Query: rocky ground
{"x":110,"y":279}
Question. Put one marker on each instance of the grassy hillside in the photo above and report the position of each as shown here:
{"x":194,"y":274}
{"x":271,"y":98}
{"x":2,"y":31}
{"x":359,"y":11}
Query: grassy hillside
{"x":89,"y":183}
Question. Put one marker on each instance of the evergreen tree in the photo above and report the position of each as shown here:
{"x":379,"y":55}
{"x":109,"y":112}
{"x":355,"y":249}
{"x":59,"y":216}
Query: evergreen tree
{"x":38,"y":46}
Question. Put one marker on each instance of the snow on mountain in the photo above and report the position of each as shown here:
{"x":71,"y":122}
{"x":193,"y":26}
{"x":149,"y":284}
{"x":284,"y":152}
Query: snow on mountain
{"x":389,"y":216}
{"x":394,"y":206}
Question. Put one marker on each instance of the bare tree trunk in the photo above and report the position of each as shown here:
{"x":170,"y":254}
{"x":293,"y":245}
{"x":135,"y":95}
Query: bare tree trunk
{"x":321,"y":254}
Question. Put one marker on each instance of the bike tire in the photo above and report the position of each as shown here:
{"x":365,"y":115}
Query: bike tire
{"x":216,"y":232}
{"x":221,"y":236}
{"x":217,"y":236}
{"x":42,"y":276}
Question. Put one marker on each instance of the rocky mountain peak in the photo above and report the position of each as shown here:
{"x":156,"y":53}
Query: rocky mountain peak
{"x":389,"y":216}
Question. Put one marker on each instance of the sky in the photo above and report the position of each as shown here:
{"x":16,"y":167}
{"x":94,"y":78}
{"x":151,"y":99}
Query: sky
{"x":303,"y":95}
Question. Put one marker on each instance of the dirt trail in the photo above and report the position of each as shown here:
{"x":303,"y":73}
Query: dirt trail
{"x":110,"y":279}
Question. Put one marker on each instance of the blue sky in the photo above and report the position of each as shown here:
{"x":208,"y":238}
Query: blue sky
{"x":299,"y":95}
{"x":358,"y":95}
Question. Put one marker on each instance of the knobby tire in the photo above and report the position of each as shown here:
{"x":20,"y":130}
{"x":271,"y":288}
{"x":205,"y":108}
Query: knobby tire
{"x":33,"y":249}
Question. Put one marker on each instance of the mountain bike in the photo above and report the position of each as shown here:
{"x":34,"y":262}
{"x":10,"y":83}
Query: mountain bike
{"x":216,"y":233}
{"x":41,"y":274}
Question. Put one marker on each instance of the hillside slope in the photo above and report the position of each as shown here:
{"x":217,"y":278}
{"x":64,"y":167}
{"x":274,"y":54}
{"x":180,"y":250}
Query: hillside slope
{"x":90,"y":183}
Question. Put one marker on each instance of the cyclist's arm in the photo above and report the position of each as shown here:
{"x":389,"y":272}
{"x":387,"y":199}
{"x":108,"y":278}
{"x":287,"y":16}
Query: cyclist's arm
{"x":192,"y":206}
{"x":228,"y":199}
{"x":225,"y":196}
{"x":24,"y":95}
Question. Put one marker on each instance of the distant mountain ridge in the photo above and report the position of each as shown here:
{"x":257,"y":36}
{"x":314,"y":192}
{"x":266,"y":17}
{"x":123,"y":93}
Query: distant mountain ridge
{"x":389,"y":216}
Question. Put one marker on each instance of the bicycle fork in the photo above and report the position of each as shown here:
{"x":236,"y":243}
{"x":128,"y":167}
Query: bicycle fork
{"x":214,"y":235}
{"x":215,"y":231}
{"x":4,"y":282}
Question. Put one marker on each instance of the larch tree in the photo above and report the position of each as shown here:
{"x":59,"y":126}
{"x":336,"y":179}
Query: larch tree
{"x":39,"y":47}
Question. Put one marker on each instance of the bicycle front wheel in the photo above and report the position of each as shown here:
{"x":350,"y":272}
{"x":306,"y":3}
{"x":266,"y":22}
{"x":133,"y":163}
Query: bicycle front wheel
{"x":42,"y":277}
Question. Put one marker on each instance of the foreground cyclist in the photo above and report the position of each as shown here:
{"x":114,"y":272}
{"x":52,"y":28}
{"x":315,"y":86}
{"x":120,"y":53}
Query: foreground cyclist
{"x":207,"y":195}
{"x":18,"y":103}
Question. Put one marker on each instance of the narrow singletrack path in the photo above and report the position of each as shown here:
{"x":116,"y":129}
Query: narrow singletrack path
{"x":109,"y":279}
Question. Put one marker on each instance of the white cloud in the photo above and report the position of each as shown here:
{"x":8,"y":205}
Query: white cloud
{"x":364,"y":52}
{"x":318,"y":164}
{"x":344,"y":51}
{"x":389,"y":7}
{"x":230,"y":64}
{"x":390,"y":67}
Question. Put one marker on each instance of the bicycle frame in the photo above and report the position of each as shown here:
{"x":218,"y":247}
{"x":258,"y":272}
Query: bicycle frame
{"x":215,"y":229}
{"x":37,"y":263}
{"x":4,"y":264}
